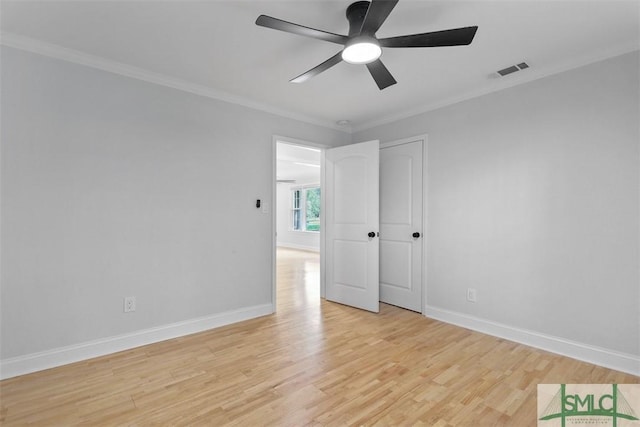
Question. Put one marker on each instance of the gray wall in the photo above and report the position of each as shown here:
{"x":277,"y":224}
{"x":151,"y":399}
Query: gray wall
{"x":533,"y":200}
{"x":114,"y":187}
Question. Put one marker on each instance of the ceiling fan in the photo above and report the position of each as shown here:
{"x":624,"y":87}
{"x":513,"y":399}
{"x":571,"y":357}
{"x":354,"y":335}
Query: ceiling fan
{"x":361,"y":45}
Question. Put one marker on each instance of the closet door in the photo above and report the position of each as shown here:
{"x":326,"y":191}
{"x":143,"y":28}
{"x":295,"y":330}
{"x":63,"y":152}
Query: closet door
{"x":401,"y":224}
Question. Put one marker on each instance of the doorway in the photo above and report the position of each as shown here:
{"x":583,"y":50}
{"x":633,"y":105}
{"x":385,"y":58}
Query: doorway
{"x":401,"y":244}
{"x":297,"y":196}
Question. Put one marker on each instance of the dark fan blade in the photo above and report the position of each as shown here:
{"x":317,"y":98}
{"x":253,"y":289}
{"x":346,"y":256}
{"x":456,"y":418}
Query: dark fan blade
{"x":454,"y":37}
{"x":380,"y":74}
{"x":289,"y":27}
{"x":377,"y":13}
{"x":318,"y":69}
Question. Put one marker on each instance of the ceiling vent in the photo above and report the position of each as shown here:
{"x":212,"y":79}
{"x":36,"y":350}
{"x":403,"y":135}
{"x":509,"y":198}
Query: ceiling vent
{"x":513,"y":69}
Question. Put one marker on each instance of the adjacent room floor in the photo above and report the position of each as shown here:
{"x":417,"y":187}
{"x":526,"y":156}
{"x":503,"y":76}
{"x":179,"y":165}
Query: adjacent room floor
{"x":311,"y":363}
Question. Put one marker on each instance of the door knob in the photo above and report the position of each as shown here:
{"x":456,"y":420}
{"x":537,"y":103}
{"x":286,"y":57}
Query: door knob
{"x":416,"y":235}
{"x":371,"y":234}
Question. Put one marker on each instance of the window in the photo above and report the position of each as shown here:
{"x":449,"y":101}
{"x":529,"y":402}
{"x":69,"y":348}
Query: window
{"x":305,"y":209}
{"x":296,"y":210}
{"x":312,"y":211}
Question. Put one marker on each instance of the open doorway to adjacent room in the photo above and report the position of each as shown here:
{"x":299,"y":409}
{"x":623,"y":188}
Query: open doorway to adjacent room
{"x":297,"y":209}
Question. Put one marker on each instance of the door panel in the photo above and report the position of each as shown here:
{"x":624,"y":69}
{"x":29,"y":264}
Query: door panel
{"x":397,"y":255}
{"x":396,"y":185}
{"x":354,"y":273}
{"x":400,"y":217}
{"x":350,"y":199}
{"x":351,"y":192}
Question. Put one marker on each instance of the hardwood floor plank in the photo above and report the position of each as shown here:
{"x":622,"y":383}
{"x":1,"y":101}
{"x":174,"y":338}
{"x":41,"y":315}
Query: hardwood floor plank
{"x":313,"y":363}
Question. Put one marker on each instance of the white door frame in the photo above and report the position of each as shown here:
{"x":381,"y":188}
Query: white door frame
{"x":425,"y":192}
{"x":274,"y":242}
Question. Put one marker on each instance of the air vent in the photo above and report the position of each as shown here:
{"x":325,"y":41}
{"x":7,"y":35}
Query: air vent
{"x":513,"y":69}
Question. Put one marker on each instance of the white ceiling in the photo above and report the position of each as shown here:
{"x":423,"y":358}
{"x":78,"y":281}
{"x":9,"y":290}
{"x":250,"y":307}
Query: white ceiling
{"x":298,"y":163}
{"x":215,"y":47}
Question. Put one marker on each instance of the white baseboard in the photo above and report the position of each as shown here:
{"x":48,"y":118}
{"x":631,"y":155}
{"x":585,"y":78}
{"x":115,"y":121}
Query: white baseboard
{"x":296,"y":246}
{"x":587,"y":353}
{"x":74,"y":353}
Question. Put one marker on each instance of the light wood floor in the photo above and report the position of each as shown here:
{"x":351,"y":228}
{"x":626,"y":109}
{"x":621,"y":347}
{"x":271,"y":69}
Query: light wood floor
{"x":312,"y":363}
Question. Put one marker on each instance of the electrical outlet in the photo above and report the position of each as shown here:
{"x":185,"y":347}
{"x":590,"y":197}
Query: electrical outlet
{"x":471,"y":295}
{"x":129,"y":304}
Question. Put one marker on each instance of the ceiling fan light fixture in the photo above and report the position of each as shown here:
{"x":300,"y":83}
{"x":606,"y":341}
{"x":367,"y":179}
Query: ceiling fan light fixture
{"x":361,"y":50}
{"x":361,"y":45}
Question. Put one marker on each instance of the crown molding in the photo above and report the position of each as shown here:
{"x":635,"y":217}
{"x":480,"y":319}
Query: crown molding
{"x":51,"y":50}
{"x":526,"y":76}
{"x":70,"y":55}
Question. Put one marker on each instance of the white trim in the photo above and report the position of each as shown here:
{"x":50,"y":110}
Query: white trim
{"x":529,"y":75}
{"x":74,"y":353}
{"x":299,"y":142}
{"x":71,"y":55}
{"x":304,"y":231}
{"x":389,"y":144}
{"x":323,"y":242}
{"x":299,"y":247}
{"x":305,"y":186}
{"x":425,"y":224}
{"x":77,"y":57}
{"x":587,"y":353}
{"x":274,"y":223}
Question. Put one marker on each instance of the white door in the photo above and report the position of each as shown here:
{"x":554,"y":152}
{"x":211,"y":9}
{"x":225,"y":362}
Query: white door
{"x":401,"y":225}
{"x":351,"y":210}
